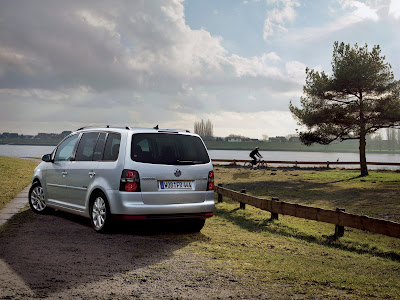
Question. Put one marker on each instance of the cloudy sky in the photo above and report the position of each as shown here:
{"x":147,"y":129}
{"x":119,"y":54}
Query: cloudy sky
{"x":65,"y":64}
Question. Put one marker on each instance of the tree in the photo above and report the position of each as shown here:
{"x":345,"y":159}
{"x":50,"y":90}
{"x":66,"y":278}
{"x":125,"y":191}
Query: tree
{"x":204,"y":129}
{"x":360,"y":97}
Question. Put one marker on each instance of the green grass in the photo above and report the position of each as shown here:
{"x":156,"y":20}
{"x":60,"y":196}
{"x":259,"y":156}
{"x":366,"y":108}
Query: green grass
{"x":298,"y":254}
{"x":15,"y":175}
{"x":376,"y":195}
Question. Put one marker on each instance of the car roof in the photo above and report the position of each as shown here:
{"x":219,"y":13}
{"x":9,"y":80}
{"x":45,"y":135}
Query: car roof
{"x":133,"y":129}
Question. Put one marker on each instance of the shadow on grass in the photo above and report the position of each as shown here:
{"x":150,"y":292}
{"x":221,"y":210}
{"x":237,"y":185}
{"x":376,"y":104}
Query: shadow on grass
{"x":347,"y":179}
{"x":267,"y":225}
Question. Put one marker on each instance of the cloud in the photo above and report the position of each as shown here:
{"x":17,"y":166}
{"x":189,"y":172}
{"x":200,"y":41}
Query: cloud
{"x":361,"y":11}
{"x":277,"y":17}
{"x":351,"y":13}
{"x":394,"y":9}
{"x":126,"y":62}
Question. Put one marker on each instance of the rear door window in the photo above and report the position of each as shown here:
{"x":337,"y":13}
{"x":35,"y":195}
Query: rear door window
{"x":170,"y":149}
{"x":86,"y":146}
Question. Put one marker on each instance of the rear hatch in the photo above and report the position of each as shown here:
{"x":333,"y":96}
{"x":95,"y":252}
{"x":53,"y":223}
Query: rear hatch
{"x":173,"y":167}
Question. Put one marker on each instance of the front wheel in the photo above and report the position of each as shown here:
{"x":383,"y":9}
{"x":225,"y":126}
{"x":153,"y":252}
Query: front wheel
{"x":100,"y":215}
{"x":36,"y":199}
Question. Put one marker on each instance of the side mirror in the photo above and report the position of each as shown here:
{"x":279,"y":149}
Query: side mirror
{"x":47,"y":158}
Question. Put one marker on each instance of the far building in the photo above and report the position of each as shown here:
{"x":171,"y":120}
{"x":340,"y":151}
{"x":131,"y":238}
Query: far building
{"x":278,"y":139}
{"x":234,"y":139}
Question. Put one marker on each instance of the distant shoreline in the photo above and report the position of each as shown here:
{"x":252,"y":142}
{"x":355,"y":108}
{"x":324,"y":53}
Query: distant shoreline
{"x":29,"y":144}
{"x":235,"y":146}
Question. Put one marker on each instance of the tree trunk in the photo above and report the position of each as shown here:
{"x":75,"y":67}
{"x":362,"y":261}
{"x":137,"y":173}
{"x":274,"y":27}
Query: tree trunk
{"x":363,"y":158}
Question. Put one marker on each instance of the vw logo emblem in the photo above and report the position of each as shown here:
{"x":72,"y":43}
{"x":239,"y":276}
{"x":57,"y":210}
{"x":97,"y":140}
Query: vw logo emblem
{"x":177,"y":173}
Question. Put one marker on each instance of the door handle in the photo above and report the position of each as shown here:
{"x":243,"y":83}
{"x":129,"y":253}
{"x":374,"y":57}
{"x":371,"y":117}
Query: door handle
{"x":64,"y":173}
{"x":91,"y":174}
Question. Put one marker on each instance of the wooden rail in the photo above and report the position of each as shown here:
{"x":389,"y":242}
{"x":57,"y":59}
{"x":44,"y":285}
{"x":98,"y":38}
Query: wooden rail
{"x":337,"y":217}
{"x":293,"y":162}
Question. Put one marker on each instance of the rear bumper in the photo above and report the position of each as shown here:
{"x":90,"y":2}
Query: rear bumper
{"x":164,"y":217}
{"x":131,"y":204}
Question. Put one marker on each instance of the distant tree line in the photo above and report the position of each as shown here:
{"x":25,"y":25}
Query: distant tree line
{"x":204,"y":128}
{"x":41,"y":135}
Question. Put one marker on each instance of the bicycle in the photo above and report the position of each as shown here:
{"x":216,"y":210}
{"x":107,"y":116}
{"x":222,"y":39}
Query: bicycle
{"x":261,"y":164}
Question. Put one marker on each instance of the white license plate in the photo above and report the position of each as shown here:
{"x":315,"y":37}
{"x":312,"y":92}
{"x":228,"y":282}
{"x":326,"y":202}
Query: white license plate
{"x":175,"y":185}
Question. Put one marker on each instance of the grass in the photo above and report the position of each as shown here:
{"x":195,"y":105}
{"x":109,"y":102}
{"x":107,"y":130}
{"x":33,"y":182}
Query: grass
{"x":291,"y":255}
{"x":376,"y":195}
{"x":15,"y":175}
{"x":295,"y":253}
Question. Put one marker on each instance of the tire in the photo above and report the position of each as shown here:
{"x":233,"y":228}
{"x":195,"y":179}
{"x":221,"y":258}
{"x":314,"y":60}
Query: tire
{"x":193,"y":225}
{"x":263,"y":165}
{"x":37,"y":200}
{"x":248,"y":165}
{"x":100,"y":216}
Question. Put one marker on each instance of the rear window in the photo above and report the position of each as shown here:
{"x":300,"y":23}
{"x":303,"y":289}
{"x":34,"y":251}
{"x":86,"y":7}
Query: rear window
{"x":169,"y":149}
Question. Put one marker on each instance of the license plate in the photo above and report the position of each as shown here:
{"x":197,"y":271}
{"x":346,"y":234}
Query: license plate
{"x":175,"y":185}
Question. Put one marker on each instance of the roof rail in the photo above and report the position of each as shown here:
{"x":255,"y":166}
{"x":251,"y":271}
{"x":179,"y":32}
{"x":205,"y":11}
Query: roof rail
{"x":104,"y":126}
{"x":173,"y":129}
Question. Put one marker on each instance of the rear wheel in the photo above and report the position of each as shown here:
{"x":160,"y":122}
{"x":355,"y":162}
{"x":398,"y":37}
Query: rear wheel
{"x":100,"y":215}
{"x":248,"y":164}
{"x":37,"y":199}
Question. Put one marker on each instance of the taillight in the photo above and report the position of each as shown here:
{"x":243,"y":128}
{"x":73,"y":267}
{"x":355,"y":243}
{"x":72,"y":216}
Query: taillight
{"x":130,"y":181}
{"x":210,"y":182}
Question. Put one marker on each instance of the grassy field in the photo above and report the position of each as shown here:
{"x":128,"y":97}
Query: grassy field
{"x":15,"y":175}
{"x":298,"y":254}
{"x":291,"y":255}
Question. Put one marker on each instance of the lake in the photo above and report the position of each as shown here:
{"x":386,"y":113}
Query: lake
{"x":39,"y":151}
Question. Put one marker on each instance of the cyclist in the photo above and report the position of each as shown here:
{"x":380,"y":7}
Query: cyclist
{"x":253,"y":155}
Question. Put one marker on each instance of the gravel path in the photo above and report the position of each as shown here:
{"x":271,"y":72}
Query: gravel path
{"x":59,"y":256}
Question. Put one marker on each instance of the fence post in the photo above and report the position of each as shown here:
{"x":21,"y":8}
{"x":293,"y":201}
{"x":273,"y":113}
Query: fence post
{"x":339,"y":230}
{"x":274,"y":216}
{"x":243,"y":205}
{"x":220,"y":195}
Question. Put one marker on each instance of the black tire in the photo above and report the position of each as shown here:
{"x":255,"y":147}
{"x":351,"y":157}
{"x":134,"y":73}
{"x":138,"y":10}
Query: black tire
{"x":263,"y":165}
{"x":37,"y":200}
{"x":248,"y":165}
{"x":193,"y":225}
{"x":100,"y":215}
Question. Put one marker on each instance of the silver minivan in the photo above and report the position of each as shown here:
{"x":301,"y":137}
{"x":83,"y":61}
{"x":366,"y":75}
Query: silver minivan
{"x":121,"y":173}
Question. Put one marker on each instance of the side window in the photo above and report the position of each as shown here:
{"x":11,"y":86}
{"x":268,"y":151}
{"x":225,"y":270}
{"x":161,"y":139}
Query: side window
{"x":86,"y":146}
{"x":111,"y":150}
{"x":98,"y":150}
{"x":66,"y":148}
{"x":141,"y":148}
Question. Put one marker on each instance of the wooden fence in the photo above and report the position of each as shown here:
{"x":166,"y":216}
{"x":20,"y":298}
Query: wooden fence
{"x":337,"y":217}
{"x":296,"y":163}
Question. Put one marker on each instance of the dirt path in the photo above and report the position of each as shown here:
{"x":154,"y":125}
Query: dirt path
{"x":60,"y":256}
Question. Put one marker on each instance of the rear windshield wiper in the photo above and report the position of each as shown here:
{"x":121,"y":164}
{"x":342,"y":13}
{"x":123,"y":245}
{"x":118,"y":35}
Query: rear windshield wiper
{"x":188,"y":162}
